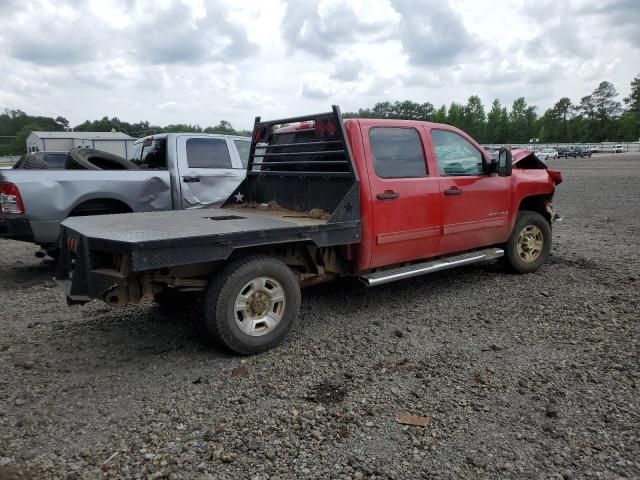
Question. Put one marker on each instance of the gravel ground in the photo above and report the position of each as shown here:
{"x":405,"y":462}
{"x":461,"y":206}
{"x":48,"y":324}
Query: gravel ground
{"x":532,"y":376}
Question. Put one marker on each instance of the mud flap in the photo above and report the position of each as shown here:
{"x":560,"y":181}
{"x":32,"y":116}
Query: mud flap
{"x":553,"y":215}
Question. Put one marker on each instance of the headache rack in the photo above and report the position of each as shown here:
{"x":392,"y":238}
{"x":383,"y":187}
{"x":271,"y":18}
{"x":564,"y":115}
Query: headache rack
{"x":301,"y":164}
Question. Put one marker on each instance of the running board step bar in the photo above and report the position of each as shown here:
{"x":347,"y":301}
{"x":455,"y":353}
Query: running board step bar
{"x":417,"y":269}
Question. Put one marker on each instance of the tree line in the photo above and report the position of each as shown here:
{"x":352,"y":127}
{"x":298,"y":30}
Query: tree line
{"x":595,"y":118}
{"x":16,"y":125}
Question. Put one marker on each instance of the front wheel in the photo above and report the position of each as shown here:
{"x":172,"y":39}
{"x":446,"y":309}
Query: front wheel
{"x":530,"y":243}
{"x":252,"y":303}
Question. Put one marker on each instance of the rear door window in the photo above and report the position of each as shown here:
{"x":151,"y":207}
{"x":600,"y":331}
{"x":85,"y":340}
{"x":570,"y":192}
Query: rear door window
{"x":397,"y":152}
{"x":153,"y":156}
{"x":136,"y":152}
{"x":243,"y":147}
{"x":208,"y":153}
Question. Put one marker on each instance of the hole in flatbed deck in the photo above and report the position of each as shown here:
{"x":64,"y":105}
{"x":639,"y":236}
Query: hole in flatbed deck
{"x":226,"y":217}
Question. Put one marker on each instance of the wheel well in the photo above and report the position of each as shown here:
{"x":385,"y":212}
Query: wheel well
{"x":537,"y":203}
{"x":304,"y":257}
{"x":100,"y":206}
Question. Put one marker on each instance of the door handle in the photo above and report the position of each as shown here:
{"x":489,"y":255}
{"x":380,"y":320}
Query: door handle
{"x":387,"y":195}
{"x":190,"y":179}
{"x":453,"y":191}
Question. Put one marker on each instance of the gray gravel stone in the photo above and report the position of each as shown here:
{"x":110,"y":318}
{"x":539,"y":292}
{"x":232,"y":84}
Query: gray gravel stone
{"x":525,"y":385}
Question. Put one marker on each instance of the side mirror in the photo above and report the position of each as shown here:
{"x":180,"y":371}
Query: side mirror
{"x":505,"y":164}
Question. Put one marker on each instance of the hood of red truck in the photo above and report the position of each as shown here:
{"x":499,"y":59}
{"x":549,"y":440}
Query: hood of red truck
{"x":520,"y":155}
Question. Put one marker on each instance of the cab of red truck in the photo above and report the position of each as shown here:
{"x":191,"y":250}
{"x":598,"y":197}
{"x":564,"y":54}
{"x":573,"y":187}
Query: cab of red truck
{"x":380,"y":200}
{"x":429,"y":190}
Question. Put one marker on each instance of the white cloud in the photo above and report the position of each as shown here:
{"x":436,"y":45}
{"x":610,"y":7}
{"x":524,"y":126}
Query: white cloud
{"x":201,"y":61}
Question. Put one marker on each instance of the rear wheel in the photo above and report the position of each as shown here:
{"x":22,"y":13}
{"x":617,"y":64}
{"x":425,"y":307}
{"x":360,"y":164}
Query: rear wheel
{"x":530,"y":243}
{"x":252,"y":304}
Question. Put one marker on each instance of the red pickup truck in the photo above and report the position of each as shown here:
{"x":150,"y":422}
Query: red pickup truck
{"x":380,"y":200}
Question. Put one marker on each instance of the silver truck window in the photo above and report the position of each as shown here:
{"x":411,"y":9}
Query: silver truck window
{"x":208,"y":153}
{"x":243,"y":147}
{"x":397,"y":152}
{"x":154,"y":155}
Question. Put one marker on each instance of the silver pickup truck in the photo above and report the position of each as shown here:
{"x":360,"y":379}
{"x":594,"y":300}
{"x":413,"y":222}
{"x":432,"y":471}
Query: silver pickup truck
{"x":176,"y":172}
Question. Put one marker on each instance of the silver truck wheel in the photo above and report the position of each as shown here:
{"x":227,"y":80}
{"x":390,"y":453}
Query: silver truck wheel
{"x":252,"y":303}
{"x":260,"y":306}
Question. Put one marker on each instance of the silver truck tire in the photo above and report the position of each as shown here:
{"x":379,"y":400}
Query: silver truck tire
{"x":252,"y":303}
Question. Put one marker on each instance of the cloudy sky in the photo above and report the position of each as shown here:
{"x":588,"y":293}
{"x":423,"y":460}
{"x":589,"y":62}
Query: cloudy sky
{"x":200,"y":61}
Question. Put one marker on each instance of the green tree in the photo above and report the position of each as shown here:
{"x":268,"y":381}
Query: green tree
{"x":633,"y":100}
{"x":63,"y":123}
{"x":497,"y":130}
{"x":522,"y":120}
{"x":455,"y":115}
{"x":440,"y":115}
{"x":475,"y":118}
{"x":21,"y":137}
{"x":606,"y":110}
{"x":224,"y":127}
{"x":558,"y":119}
{"x":630,"y":120}
{"x":183,"y":128}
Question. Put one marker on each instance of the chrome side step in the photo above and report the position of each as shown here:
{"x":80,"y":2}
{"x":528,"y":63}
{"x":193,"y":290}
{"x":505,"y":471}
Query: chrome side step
{"x":417,"y":269}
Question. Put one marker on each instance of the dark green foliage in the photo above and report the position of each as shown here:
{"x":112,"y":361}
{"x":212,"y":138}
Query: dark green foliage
{"x":596,"y":118}
{"x":15,"y":127}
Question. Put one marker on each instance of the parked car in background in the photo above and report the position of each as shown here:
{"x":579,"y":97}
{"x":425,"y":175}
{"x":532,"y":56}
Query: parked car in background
{"x":547,"y":154}
{"x":174,"y":172}
{"x":566,"y":152}
{"x":41,"y":161}
{"x":617,"y":149}
{"x":492,"y":151}
{"x":594,"y":148}
{"x":583,"y":152}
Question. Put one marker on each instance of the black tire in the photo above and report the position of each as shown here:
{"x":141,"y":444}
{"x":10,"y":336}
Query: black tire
{"x":31,"y":162}
{"x":91,"y":159}
{"x":513,"y":259}
{"x":221,"y":295}
{"x":19,"y":162}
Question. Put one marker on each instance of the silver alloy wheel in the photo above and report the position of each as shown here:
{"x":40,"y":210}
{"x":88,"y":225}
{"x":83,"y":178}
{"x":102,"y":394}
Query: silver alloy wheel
{"x":260,"y":306}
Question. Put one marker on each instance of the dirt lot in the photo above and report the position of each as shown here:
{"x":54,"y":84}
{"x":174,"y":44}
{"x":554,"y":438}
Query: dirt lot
{"x":522,"y":376}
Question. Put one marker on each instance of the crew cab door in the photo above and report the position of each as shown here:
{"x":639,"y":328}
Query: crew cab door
{"x":475,"y":204}
{"x":404,"y":194}
{"x":209,"y":170}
